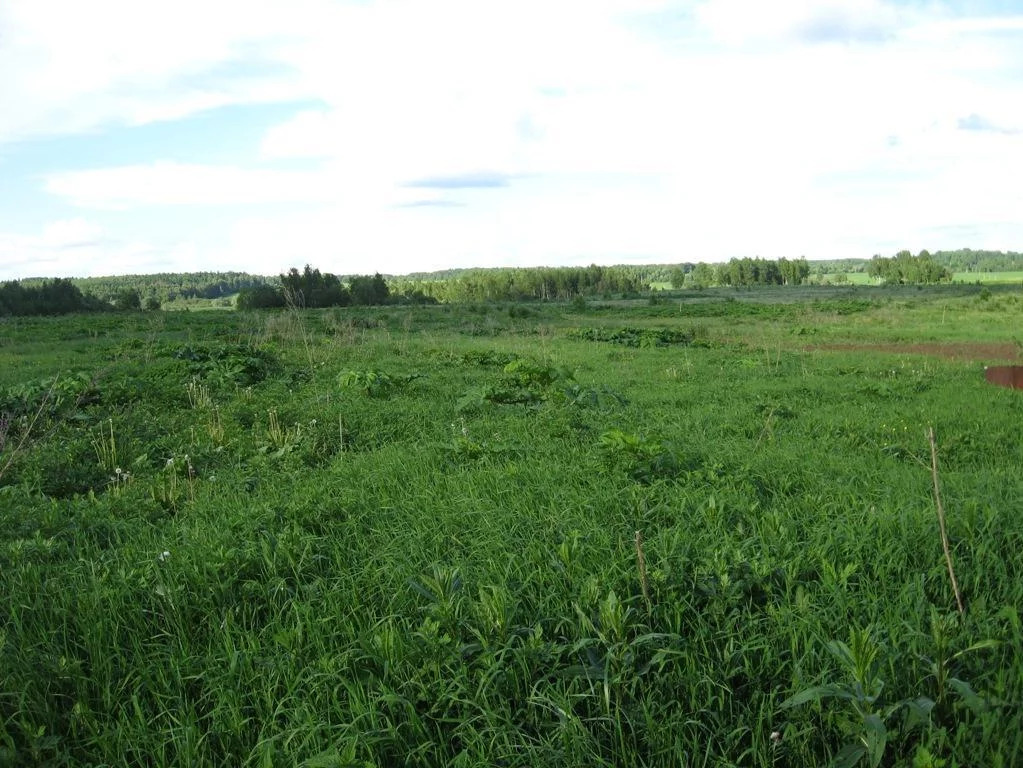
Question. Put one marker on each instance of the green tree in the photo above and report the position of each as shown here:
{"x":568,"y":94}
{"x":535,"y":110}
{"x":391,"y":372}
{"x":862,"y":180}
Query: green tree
{"x":702,"y":276}
{"x":128,"y":300}
{"x":260,"y":297}
{"x":367,"y":290}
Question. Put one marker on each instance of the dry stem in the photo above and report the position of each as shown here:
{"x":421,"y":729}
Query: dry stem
{"x":941,"y":520}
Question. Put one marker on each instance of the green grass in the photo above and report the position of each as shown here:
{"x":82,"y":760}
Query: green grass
{"x":849,"y":278}
{"x":989,"y":277}
{"x":862,"y":278}
{"x":408,"y":536}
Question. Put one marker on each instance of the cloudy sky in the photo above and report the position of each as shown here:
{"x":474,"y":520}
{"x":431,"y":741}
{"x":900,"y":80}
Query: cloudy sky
{"x":404,"y":135}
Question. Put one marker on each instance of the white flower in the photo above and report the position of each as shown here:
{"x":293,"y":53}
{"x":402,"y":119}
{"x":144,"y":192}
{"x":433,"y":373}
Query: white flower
{"x":164,"y":555}
{"x":775,"y":737}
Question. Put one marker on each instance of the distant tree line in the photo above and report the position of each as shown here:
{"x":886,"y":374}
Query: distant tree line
{"x":905,"y":268}
{"x":962,"y":260}
{"x":61,"y":296}
{"x":170,"y":286}
{"x":48,"y":297}
{"x":967,"y":260}
{"x":166,"y":286}
{"x":745,"y":272}
{"x":524,"y":284}
{"x":312,"y":288}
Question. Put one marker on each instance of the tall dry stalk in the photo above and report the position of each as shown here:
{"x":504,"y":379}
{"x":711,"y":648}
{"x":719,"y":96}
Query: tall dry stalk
{"x":941,"y":520}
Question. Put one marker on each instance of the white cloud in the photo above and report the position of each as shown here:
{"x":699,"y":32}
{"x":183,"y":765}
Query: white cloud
{"x":71,"y":233}
{"x":737,"y":22}
{"x":183,"y":184}
{"x":166,"y":183}
{"x":81,"y":248}
{"x":72,"y":67}
{"x":824,"y":127}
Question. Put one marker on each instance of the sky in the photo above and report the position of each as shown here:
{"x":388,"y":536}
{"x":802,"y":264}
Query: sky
{"x":414,"y":135}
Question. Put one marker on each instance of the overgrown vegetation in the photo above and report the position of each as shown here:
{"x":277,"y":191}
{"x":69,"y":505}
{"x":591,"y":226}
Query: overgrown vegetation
{"x":597,"y":535}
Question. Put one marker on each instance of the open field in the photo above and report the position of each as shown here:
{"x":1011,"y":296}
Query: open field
{"x":989,"y":277}
{"x":862,"y":278}
{"x":696,"y":531}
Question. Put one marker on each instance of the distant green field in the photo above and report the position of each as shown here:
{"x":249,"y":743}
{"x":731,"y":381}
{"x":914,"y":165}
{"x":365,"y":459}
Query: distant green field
{"x":197,"y":304}
{"x":695,"y":531}
{"x":848,"y":278}
{"x":862,"y":278}
{"x":988,"y":277}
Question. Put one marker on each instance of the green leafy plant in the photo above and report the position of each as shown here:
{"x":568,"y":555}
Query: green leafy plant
{"x":603,"y":398}
{"x":375,"y":383}
{"x":643,"y":458}
{"x":533,"y":375}
{"x":861,"y":660}
{"x":862,"y":714}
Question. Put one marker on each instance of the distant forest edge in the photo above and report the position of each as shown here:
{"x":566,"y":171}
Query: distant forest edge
{"x":313,"y":288}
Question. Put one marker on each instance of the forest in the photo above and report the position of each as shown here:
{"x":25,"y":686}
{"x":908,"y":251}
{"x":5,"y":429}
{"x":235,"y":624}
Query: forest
{"x":961,"y":260}
{"x":311,"y":288}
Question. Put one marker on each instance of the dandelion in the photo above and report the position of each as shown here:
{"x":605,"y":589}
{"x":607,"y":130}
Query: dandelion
{"x":776,"y":737}
{"x":164,"y":556}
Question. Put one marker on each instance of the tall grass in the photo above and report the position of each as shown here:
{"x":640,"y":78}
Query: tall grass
{"x":304,"y":572}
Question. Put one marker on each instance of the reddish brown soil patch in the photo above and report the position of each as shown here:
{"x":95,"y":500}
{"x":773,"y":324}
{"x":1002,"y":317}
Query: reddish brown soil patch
{"x":1010,"y":376}
{"x":957,"y":350}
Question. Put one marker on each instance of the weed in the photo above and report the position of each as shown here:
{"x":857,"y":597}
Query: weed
{"x":637,"y":337}
{"x":199,"y":395}
{"x":643,"y":458}
{"x":106,"y":447}
{"x":375,"y":383}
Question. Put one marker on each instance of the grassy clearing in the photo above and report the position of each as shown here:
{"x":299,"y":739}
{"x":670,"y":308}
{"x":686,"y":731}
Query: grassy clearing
{"x":989,"y":277}
{"x":409,"y":536}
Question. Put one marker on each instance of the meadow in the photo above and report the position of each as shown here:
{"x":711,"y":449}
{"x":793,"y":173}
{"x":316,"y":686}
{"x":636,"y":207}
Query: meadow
{"x":697,"y":530}
{"x":986,"y":277}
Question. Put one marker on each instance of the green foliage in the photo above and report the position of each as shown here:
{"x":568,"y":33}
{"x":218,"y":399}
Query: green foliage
{"x":369,"y":291}
{"x":870,"y":721}
{"x":286,"y":571}
{"x":260,"y":297}
{"x":905,"y":268}
{"x":537,"y":284}
{"x":376,"y":383}
{"x":748,"y":272}
{"x":168,"y":286}
{"x":240,"y":365}
{"x":603,"y":398}
{"x":311,"y":288}
{"x":128,"y":300}
{"x":48,"y":297}
{"x":638,"y":337}
{"x":643,"y":458}
{"x":487,"y":358}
